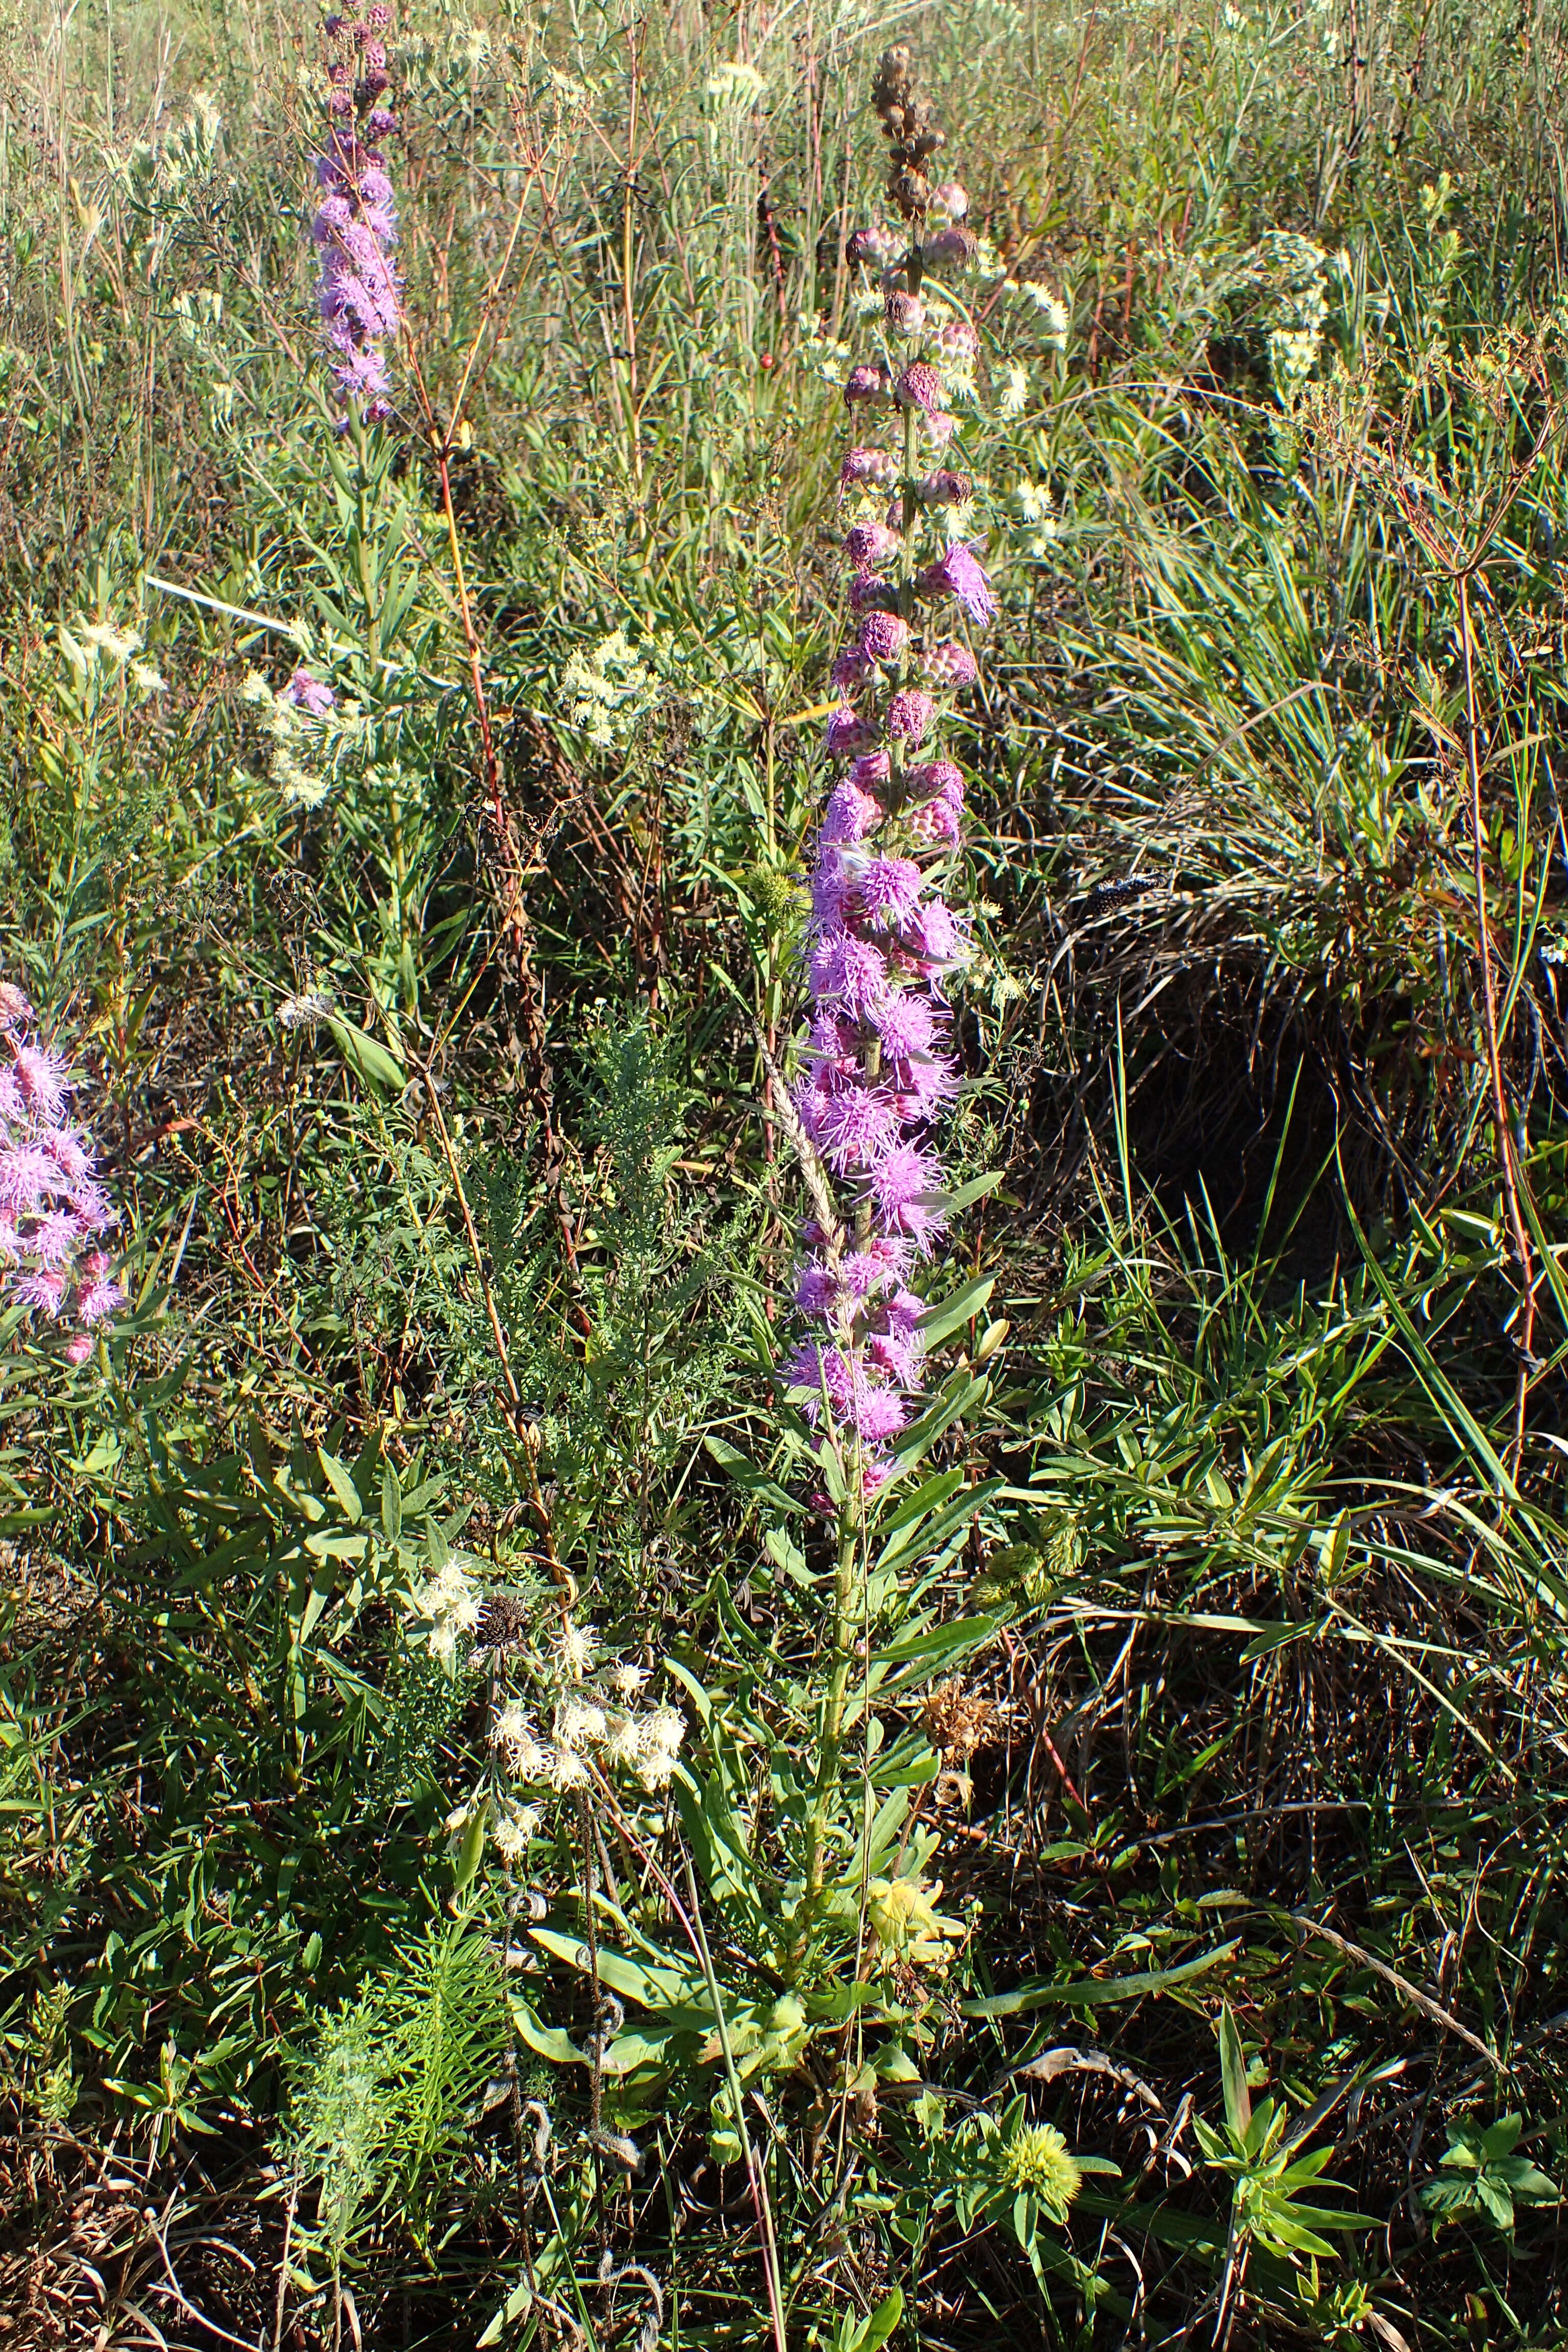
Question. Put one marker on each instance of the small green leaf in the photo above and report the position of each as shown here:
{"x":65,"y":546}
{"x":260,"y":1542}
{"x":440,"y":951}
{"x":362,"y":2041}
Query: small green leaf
{"x":366,"y":1056}
{"x":343,"y":1485}
{"x":958,"y":1308}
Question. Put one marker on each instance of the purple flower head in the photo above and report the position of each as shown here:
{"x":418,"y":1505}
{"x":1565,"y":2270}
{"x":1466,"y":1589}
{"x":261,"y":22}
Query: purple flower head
{"x":878,"y":1414}
{"x":919,"y":386}
{"x":15,"y":1011}
{"x":876,"y":244}
{"x":910,"y":714}
{"x":312,"y":695}
{"x":816,"y":1289}
{"x":98,"y":1299}
{"x":883,"y":637}
{"x":849,"y":971}
{"x":374,"y":57}
{"x":866,"y":544}
{"x":857,"y":1125}
{"x":851,"y":813}
{"x":950,"y":665}
{"x":871,"y":771}
{"x":866,"y":383}
{"x":927,"y":1084}
{"x":78,"y":1348}
{"x":334,"y":218}
{"x":42,"y":1079}
{"x":54,"y":1237}
{"x":45,"y":1290}
{"x":935,"y":779}
{"x":937,"y":823}
{"x":28,"y":1175}
{"x":890,"y":891}
{"x":381,"y":124}
{"x":908,"y":1022}
{"x":961,"y":574}
{"x":832,"y":887}
{"x":902,"y":1186}
{"x":934,"y":936}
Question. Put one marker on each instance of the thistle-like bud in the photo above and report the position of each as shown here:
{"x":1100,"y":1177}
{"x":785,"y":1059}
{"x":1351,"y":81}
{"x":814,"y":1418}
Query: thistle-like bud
{"x":869,"y":383}
{"x":883,"y":637}
{"x":905,"y":313}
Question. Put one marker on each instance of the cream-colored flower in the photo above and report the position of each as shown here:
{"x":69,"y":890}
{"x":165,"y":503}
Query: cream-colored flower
{"x":626,"y":1680}
{"x":579,"y":1723}
{"x":577,"y":1647}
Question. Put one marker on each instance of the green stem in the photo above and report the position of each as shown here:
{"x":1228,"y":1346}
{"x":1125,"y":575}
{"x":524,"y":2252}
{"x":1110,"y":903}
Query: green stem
{"x":846,"y":1616}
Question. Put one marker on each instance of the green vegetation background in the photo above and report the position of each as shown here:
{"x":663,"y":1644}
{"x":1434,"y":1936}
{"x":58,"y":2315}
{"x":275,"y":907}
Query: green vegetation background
{"x":1256,"y":1780}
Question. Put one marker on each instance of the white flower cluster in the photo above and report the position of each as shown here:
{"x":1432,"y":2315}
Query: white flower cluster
{"x":608,"y":690}
{"x":1034,"y":517}
{"x":93,"y":642}
{"x":448,"y":1601}
{"x":601,"y":1721}
{"x":736,"y":83}
{"x":1028,"y":295}
{"x":291,"y":730}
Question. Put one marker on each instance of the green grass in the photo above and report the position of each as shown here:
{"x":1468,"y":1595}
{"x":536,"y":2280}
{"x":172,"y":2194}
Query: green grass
{"x":1204,"y":1744}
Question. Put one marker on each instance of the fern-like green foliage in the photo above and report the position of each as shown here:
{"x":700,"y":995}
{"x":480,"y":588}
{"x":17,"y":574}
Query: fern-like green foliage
{"x":379,"y":2105}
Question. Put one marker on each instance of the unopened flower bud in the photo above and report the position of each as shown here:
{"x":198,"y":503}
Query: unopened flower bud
{"x":866,"y":383}
{"x":958,"y":341}
{"x":905,"y":313}
{"x":945,"y":489}
{"x":866,"y":544}
{"x":950,"y":665}
{"x":910,"y":714}
{"x":919,"y":386}
{"x":883,"y":637}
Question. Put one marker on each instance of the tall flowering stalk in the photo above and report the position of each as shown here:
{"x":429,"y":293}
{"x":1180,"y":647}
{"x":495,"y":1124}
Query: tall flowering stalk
{"x":52,"y":1206}
{"x":883,"y":938}
{"x":355,"y":226}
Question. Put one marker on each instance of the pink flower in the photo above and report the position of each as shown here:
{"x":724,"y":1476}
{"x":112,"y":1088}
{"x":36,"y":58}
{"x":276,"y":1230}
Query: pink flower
{"x":902,"y":1186}
{"x":98,"y":1299}
{"x":935,"y":776}
{"x":856,"y":1126}
{"x":28,"y":1174}
{"x":851,"y":813}
{"x":950,"y":665}
{"x":45,"y":1291}
{"x":960,"y":573}
{"x":908,"y":1022}
{"x":934,"y":935}
{"x":312,"y":695}
{"x":936,"y":824}
{"x":910,"y":714}
{"x":875,"y":467}
{"x":15,"y":1011}
{"x":850,"y":671}
{"x":54,"y":1237}
{"x":78,"y":1348}
{"x":849,"y":971}
{"x":890,"y":891}
{"x":832,"y":887}
{"x":43,"y":1079}
{"x":871,"y":771}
